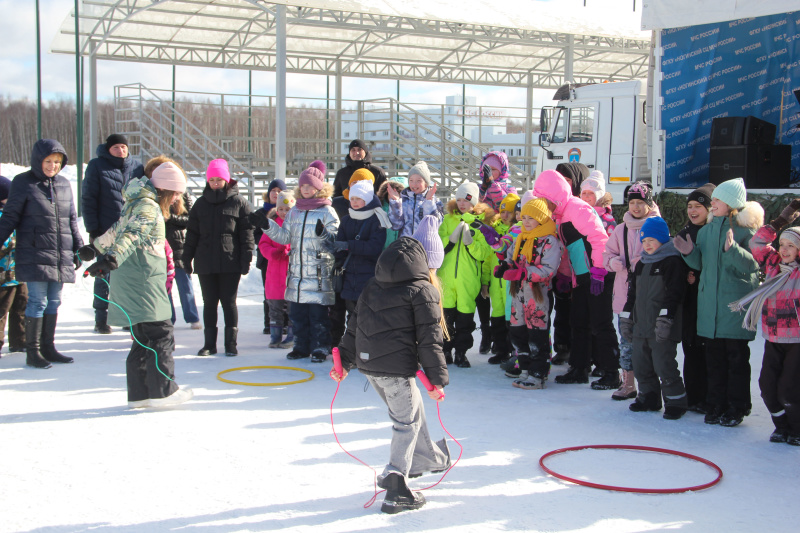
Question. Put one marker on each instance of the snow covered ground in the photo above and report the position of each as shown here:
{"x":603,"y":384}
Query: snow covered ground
{"x":239,"y":458}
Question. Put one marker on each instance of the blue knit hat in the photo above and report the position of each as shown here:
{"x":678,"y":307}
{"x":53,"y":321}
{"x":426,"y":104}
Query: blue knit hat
{"x":656,"y":228}
{"x":428,"y":234}
{"x":732,"y":192}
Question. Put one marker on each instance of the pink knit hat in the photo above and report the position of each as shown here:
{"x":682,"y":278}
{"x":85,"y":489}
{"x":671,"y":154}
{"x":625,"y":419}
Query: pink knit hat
{"x":312,"y":176}
{"x":170,"y":177}
{"x":494,"y":162}
{"x":218,"y":168}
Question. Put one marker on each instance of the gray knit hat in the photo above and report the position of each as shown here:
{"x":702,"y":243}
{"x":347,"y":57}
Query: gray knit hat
{"x":421,"y":169}
{"x":792,"y":235}
{"x":428,"y":234}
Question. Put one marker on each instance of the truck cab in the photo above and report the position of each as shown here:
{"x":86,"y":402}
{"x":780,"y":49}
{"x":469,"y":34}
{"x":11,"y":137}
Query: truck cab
{"x":602,"y":126}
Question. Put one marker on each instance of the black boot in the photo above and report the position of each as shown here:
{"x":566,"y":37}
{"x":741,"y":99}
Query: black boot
{"x":398,"y":496}
{"x":650,"y":401}
{"x":47,"y":344}
{"x":230,"y":341}
{"x":33,"y":331}
{"x":574,"y":375}
{"x":100,"y":326}
{"x":210,"y":345}
{"x":609,"y":381}
{"x":461,"y":360}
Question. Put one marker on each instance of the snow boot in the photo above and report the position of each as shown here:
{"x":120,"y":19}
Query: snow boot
{"x":499,"y":359}
{"x":673,"y":412}
{"x":627,"y":390}
{"x":713,"y":415}
{"x":574,"y":375}
{"x":561,"y":356}
{"x":793,"y":440}
{"x":398,"y":496}
{"x":210,"y":344}
{"x":532,"y":382}
{"x":650,"y":401}
{"x":33,"y":332}
{"x":275,"y":332}
{"x":101,"y":327}
{"x":47,"y":345}
{"x":781,"y":433}
{"x":733,"y":417}
{"x":319,"y":356}
{"x":461,"y":360}
{"x":486,"y":343}
{"x":509,"y":363}
{"x":288,"y":342}
{"x":448,"y":357}
{"x":296,"y":354}
{"x":609,"y":381}
{"x":597,"y":372}
{"x":230,"y":341}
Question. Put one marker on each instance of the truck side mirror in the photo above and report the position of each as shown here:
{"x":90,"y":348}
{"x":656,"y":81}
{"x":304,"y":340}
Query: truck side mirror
{"x":544,"y":139}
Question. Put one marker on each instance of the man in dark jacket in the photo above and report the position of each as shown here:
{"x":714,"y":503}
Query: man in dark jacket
{"x":359,"y":157}
{"x":101,"y":204}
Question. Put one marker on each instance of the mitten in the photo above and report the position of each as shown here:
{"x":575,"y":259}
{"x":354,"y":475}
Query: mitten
{"x":103,"y":265}
{"x":616,"y":264}
{"x":728,"y":240}
{"x":245,"y":269}
{"x":466,"y":234}
{"x":626,"y":329}
{"x":500,"y":269}
{"x":258,"y":219}
{"x":515,"y":274}
{"x":563,"y":283}
{"x":76,"y":260}
{"x":456,"y":233}
{"x":598,"y":280}
{"x":87,"y":253}
{"x":683,"y":245}
{"x":787,"y":216}
{"x":491,"y":236}
{"x":319,"y":228}
{"x":663,"y":328}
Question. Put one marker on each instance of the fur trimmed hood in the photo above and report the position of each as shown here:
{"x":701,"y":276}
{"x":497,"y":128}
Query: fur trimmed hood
{"x":489,"y":216}
{"x":750,"y":216}
{"x":382,"y":190}
{"x":605,"y":201}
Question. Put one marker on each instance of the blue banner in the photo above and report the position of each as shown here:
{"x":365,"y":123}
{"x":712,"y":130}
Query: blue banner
{"x":746,"y":67}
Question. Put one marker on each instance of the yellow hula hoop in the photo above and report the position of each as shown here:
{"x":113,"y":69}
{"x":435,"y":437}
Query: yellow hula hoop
{"x":309,"y":378}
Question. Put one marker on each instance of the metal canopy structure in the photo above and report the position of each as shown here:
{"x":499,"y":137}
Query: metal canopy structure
{"x":360,"y":40}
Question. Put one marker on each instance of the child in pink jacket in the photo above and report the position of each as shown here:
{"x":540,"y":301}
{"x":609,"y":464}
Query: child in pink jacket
{"x":591,"y":318}
{"x":623,"y":251}
{"x":593,"y":192}
{"x":277,"y":256}
{"x":494,"y":180}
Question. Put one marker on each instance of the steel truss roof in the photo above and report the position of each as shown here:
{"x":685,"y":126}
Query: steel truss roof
{"x":241,"y":34}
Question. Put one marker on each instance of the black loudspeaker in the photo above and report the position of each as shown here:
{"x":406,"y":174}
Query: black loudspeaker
{"x":761,"y":166}
{"x":737,"y":131}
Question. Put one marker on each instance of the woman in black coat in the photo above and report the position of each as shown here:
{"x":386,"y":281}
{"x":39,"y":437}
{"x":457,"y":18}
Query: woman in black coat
{"x":219,"y":239}
{"x":41,"y":209}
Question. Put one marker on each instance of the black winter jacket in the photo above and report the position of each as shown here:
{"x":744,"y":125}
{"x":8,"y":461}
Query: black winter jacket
{"x":101,"y":194}
{"x":343,"y":175}
{"x":175,"y":227}
{"x":366,"y":239}
{"x":396,"y":325}
{"x":219,"y":238}
{"x":42,"y":211}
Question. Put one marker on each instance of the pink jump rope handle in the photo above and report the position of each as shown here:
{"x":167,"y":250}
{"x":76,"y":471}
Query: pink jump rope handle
{"x":426,"y":382}
{"x":337,"y":362}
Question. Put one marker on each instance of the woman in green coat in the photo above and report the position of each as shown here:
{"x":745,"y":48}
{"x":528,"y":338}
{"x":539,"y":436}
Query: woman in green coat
{"x":135,"y":247}
{"x":729,"y":272}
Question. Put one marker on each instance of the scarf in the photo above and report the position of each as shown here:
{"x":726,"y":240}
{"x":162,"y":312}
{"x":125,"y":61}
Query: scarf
{"x":527,"y":239}
{"x":757,"y":297}
{"x":307,"y":204}
{"x":665,"y":250}
{"x":383,"y":218}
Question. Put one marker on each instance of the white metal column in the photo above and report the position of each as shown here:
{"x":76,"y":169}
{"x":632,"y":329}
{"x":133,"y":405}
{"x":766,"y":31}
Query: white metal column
{"x":569,"y":55}
{"x":280,"y":92}
{"x":93,"y":119}
{"x":529,"y":129}
{"x":339,"y":131}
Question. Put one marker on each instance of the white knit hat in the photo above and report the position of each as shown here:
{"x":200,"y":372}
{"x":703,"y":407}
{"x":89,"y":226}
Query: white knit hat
{"x":362,"y":189}
{"x":595,"y":184}
{"x":170,"y":177}
{"x":468,"y":191}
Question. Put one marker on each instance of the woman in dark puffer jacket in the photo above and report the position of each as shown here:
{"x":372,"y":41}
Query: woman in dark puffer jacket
{"x":40,"y":207}
{"x":397,"y":328}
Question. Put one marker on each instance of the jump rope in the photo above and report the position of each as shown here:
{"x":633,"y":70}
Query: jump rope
{"x":337,"y":363}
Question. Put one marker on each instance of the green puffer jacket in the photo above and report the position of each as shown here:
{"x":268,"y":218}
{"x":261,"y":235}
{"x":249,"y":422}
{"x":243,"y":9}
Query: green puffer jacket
{"x":136,"y":241}
{"x":461,"y":270}
{"x":497,"y":287}
{"x":726,"y":276}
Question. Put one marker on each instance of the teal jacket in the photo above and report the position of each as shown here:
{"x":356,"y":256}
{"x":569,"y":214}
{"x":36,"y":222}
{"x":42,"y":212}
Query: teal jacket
{"x":136,"y":241}
{"x":725,"y":276}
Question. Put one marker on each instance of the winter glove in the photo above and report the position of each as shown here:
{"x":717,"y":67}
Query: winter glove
{"x":258,"y":219}
{"x":616,"y":264}
{"x":598,"y":280}
{"x":103,"y":265}
{"x":491,"y":236}
{"x":728,"y":240}
{"x":663,"y":328}
{"x":77,"y":261}
{"x":787,"y":216}
{"x":87,"y":253}
{"x":563,"y":283}
{"x":319,"y":228}
{"x":515,"y":274}
{"x":500,"y":269}
{"x":486,"y":175}
{"x":683,"y":245}
{"x":466,"y":234}
{"x":626,"y":329}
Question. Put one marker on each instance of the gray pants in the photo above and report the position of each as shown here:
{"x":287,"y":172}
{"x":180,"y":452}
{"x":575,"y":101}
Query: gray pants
{"x":412,"y":451}
{"x":277,"y":312}
{"x":654,"y":361}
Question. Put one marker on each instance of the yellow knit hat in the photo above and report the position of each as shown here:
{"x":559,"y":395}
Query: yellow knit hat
{"x":360,"y":175}
{"x":537,"y":210}
{"x":509,"y":203}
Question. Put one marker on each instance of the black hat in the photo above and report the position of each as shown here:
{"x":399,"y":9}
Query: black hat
{"x":358,"y":143}
{"x":640,"y":190}
{"x":5,"y":186}
{"x":116,"y":138}
{"x":702,"y":195}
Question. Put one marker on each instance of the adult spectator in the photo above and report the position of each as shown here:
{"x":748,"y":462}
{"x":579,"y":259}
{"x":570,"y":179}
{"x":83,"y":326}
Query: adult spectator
{"x":101,"y":204}
{"x":359,"y":157}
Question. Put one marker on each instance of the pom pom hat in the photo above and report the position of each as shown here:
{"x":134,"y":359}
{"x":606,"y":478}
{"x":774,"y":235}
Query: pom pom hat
{"x":362,"y":189}
{"x":312,"y":176}
{"x":594,"y":184}
{"x":286,"y":198}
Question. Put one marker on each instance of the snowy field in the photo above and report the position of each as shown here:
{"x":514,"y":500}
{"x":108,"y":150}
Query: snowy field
{"x":239,"y":458}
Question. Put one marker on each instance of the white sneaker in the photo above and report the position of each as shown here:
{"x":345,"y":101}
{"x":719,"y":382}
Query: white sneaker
{"x":530,"y":383}
{"x":178,"y":397}
{"x":139,"y":404}
{"x":196,"y":325}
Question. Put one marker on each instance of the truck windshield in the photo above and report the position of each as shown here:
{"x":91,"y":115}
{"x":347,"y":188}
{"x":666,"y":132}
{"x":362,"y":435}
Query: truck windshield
{"x":560,"y":129}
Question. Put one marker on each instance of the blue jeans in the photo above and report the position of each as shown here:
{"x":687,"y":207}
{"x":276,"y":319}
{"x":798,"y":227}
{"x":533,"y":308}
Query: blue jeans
{"x":625,"y":352}
{"x":186,"y":294}
{"x":412,"y":450}
{"x":44,"y":298}
{"x":312,"y":328}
